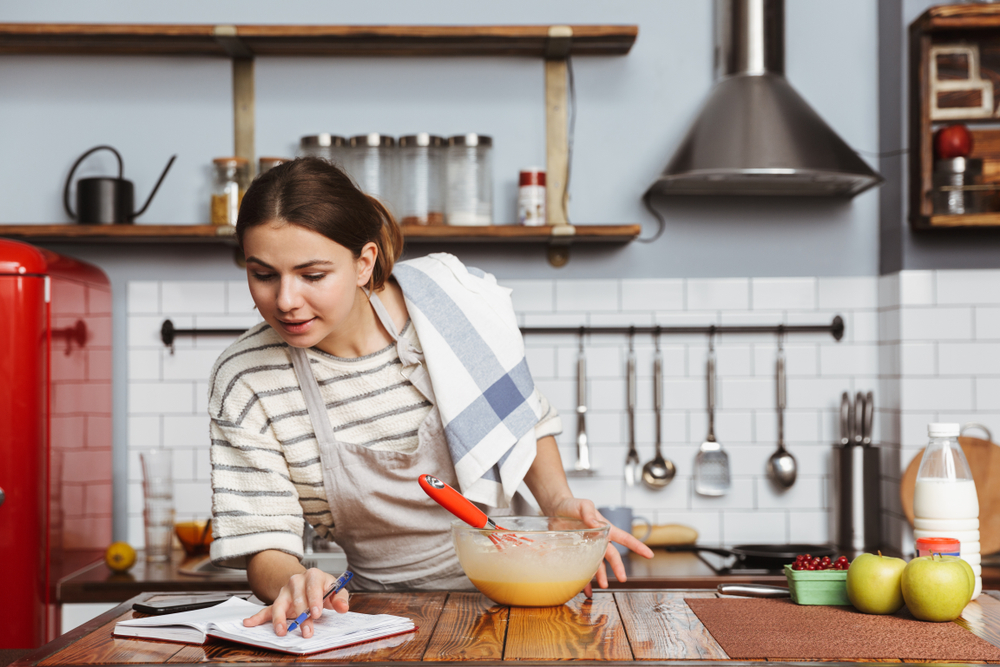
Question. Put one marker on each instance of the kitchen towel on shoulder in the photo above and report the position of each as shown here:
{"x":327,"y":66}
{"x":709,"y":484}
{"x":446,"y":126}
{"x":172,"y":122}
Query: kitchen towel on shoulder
{"x":474,"y":354}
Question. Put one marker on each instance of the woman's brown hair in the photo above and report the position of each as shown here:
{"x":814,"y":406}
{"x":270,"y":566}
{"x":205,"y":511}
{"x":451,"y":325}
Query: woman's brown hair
{"x":317,"y":195}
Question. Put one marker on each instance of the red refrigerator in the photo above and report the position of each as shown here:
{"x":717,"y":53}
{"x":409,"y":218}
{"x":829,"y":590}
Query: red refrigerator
{"x":55,"y":432}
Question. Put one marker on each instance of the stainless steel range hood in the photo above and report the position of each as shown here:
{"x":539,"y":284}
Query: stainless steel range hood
{"x":755,"y":135}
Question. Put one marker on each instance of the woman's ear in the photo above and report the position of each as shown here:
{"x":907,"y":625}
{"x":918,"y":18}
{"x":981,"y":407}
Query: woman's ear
{"x":365,"y":263}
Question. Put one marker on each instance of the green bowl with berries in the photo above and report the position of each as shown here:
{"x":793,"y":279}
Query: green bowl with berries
{"x":820,"y":581}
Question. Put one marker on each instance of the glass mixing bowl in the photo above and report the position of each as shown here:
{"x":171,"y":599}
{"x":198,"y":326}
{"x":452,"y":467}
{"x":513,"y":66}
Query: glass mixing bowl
{"x":539,"y":561}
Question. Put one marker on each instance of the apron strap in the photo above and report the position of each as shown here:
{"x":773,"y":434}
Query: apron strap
{"x":310,"y":391}
{"x":383,"y":316}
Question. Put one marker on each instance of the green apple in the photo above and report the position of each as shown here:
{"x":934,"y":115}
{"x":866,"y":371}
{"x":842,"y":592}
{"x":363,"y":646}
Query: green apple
{"x":937,"y":588}
{"x":873,"y":583}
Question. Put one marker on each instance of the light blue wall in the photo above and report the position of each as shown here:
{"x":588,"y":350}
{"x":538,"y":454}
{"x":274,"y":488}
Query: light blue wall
{"x":633,"y":111}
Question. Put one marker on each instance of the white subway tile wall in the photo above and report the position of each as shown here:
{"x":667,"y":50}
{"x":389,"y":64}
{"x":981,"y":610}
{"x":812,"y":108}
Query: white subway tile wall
{"x":940,"y":361}
{"x":167,"y":393}
{"x":925,"y":343}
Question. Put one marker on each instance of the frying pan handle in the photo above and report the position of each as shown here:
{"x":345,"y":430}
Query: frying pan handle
{"x":454,"y":502}
{"x":695,"y":548}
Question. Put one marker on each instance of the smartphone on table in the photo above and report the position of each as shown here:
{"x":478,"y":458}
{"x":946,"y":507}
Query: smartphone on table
{"x":170,"y":604}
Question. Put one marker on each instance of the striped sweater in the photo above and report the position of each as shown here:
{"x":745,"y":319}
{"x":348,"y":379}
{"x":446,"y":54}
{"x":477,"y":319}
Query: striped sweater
{"x":266,"y":474}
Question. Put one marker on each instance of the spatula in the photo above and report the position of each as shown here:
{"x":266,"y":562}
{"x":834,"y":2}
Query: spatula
{"x":711,"y":465}
{"x":453,"y":501}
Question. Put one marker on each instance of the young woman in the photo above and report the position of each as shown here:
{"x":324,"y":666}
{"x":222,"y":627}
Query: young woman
{"x":364,"y":375}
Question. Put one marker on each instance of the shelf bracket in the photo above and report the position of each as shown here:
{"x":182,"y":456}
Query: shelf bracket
{"x":557,"y":49}
{"x":558,"y":249}
{"x":243,"y":92}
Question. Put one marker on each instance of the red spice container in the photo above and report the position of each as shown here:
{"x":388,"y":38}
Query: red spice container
{"x":531,"y":197}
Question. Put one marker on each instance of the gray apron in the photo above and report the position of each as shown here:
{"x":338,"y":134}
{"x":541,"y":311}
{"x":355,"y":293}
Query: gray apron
{"x":394,"y":535}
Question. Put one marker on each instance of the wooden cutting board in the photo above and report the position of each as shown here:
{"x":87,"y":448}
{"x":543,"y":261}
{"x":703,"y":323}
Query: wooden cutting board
{"x":984,"y":460}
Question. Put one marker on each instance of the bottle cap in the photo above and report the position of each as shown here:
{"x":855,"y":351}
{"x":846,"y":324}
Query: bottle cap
{"x":943,"y":430}
{"x":938,"y":545}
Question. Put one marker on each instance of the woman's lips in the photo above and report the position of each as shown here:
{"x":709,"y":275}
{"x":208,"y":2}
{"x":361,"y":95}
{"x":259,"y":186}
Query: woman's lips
{"x":296,"y":327}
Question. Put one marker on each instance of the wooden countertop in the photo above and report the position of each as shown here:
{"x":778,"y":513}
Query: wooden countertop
{"x":624,"y":627}
{"x":95,"y":583}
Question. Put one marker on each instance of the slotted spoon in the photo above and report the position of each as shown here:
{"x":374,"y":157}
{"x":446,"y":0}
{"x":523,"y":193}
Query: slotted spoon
{"x":711,"y":465}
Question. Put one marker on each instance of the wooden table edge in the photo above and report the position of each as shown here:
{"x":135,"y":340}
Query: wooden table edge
{"x":78,"y":633}
{"x":81,"y":631}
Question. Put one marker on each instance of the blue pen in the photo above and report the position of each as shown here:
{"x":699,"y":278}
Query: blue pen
{"x":340,"y":583}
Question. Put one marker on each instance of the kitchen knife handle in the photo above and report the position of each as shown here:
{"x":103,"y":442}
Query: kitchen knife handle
{"x":859,"y":418}
{"x":454,"y":502}
{"x":754,"y":590}
{"x":845,"y":419}
{"x":866,"y":440}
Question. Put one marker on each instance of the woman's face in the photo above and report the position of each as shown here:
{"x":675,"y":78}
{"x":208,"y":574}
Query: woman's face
{"x":305,"y":285}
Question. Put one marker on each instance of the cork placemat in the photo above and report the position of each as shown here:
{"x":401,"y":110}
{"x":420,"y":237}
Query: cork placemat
{"x":754,"y":628}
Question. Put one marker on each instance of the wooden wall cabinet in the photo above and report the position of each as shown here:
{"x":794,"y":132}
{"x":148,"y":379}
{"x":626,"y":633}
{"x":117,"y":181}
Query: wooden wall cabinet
{"x":241,"y":44}
{"x":955,"y":78}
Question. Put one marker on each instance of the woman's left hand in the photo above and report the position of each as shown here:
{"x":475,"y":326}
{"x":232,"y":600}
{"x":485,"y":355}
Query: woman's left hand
{"x":584,"y":510}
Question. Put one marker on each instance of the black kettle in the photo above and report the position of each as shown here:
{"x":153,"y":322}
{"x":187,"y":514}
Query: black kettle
{"x":103,"y":200}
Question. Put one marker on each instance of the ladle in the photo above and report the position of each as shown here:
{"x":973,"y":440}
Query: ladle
{"x":781,"y":467}
{"x":657,"y":473}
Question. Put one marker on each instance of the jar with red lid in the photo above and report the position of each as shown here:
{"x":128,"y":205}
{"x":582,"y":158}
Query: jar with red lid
{"x":531,"y":197}
{"x":945,"y":546}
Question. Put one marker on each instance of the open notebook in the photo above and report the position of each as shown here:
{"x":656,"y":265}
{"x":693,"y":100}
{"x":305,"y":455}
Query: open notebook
{"x":225,"y":621}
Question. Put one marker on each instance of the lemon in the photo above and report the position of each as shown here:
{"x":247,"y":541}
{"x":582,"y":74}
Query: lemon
{"x":120,"y":557}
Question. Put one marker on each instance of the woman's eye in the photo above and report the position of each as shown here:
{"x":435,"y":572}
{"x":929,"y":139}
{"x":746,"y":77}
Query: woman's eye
{"x":263,"y":277}
{"x":314,"y":277}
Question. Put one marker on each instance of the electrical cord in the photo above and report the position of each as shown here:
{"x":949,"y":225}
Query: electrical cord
{"x":661,"y":221}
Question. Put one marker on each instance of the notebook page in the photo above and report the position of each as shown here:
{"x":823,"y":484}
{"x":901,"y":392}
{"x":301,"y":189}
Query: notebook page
{"x":232,"y":608}
{"x":329,"y":631}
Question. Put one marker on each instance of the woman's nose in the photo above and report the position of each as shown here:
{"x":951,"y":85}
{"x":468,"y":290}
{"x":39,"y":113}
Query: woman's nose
{"x":288,"y":296}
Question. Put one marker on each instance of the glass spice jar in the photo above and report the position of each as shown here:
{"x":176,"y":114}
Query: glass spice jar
{"x":371,"y":163}
{"x":232,"y":176}
{"x":329,"y":147}
{"x":469,"y":199}
{"x":267,"y":163}
{"x":421,"y":180}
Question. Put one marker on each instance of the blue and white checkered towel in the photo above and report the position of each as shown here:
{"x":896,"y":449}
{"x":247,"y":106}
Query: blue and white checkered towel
{"x":474,"y":354}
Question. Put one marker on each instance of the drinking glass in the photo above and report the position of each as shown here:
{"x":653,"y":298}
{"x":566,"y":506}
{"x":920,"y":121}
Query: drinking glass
{"x":158,"y":496}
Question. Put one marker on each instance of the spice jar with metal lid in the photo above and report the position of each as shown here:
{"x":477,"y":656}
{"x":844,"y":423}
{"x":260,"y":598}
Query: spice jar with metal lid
{"x":421,"y":180}
{"x":330,"y":147}
{"x":232,"y":176}
{"x":266,"y":163}
{"x":371,"y":162}
{"x":469,"y":198}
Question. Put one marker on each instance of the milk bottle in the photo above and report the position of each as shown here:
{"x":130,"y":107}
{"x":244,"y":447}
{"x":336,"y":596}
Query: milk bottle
{"x":945,"y":503}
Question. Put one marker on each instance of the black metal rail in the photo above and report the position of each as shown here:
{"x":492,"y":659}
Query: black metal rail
{"x":835,"y":329}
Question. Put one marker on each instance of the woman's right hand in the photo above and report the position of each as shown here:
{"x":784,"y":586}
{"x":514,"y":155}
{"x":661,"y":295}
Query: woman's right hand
{"x":303,"y":591}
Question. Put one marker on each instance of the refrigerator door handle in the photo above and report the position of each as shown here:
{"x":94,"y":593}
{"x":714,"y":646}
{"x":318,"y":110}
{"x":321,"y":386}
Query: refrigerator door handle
{"x":2,"y":496}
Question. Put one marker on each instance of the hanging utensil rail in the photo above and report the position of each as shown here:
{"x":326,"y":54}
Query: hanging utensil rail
{"x":836,"y":329}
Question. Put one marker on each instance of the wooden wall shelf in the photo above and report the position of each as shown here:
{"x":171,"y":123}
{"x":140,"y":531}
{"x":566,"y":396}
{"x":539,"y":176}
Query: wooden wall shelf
{"x":954,"y":78}
{"x":142,"y":233}
{"x":248,"y":41}
{"x":552,"y":44}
